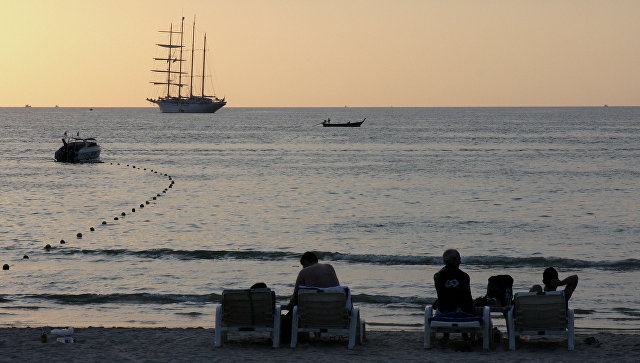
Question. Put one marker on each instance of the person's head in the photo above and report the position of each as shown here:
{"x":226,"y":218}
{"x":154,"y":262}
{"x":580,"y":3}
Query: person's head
{"x":259,"y":285}
{"x":549,"y":274}
{"x":451,"y":257}
{"x":308,"y":259}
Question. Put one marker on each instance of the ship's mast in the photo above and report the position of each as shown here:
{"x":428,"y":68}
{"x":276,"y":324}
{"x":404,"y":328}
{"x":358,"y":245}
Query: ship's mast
{"x":204,"y":53}
{"x":169,"y":61}
{"x":180,"y":69}
{"x":193,"y":38}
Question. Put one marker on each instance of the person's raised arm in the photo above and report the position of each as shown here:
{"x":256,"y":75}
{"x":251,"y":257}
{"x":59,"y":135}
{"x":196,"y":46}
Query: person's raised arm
{"x":571,"y":282}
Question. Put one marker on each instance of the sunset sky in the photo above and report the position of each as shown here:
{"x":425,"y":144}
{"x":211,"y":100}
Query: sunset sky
{"x":329,"y":53}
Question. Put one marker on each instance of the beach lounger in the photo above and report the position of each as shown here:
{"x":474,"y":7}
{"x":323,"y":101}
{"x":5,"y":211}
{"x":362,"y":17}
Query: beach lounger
{"x":544,"y":313}
{"x":248,"y":310}
{"x":457,"y":322}
{"x":326,"y":310}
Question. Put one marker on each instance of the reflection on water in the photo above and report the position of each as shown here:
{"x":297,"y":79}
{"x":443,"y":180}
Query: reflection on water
{"x":515,"y":190}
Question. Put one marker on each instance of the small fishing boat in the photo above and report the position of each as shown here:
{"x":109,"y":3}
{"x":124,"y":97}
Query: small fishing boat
{"x":78,"y":150}
{"x":327,"y":123}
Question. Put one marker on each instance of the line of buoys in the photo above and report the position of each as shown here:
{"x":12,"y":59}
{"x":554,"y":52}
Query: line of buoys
{"x":48,"y":247}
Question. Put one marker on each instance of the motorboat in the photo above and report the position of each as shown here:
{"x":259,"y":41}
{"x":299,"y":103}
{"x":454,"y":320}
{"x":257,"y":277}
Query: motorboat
{"x":78,"y":150}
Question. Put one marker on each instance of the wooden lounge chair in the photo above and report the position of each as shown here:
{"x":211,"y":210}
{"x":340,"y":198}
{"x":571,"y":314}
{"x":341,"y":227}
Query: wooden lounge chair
{"x":543,"y":313}
{"x":248,"y":310}
{"x":329,"y":311}
{"x":457,"y":323}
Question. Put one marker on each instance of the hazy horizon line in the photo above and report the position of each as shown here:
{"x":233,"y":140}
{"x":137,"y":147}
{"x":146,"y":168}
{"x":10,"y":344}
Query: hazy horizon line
{"x":154,"y":107}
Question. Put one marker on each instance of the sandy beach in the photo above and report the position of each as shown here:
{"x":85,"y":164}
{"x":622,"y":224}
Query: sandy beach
{"x":196,"y":345}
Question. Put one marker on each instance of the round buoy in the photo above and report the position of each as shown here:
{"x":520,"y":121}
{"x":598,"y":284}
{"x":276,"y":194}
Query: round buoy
{"x":92,"y":229}
{"x":147,"y":202}
{"x":158,"y":195}
{"x":144,"y":168}
{"x":154,"y":198}
{"x":115,"y":218}
{"x":155,"y":172}
{"x":79,"y":235}
{"x":133,"y":166}
{"x":5,"y":266}
{"x":62,"y":242}
{"x":104,"y":222}
{"x":164,"y":191}
{"x":47,"y":247}
{"x":133,"y":210}
{"x":25,"y":257}
{"x":123,"y":214}
{"x":141,"y":205}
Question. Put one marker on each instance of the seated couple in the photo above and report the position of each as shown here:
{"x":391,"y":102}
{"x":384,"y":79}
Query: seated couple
{"x":454,"y":291}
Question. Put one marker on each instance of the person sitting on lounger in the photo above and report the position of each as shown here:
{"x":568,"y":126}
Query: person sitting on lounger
{"x":452,"y":286}
{"x":551,"y":282}
{"x":313,"y":274}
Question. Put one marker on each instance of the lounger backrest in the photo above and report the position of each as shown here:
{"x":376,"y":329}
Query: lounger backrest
{"x":253,"y":307}
{"x":325,"y":308}
{"x":540,"y":311}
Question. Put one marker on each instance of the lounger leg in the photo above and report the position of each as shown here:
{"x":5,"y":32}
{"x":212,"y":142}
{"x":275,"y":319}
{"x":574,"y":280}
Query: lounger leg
{"x":486,"y":333}
{"x":571,"y":332}
{"x":276,"y":328}
{"x":294,"y":327}
{"x":218,"y":331}
{"x":353,"y":326}
{"x":361,"y":332}
{"x":428,"y":311}
{"x":511,"y":329}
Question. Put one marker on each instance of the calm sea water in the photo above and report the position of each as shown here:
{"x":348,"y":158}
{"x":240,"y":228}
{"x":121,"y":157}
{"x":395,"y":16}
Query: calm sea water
{"x":513,"y":189}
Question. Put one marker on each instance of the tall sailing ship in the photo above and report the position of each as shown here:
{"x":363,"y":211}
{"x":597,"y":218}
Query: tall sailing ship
{"x":175,"y":100}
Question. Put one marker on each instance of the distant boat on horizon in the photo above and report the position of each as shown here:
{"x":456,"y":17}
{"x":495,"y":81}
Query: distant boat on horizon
{"x":327,"y":123}
{"x":27,"y":106}
{"x":174,"y":100}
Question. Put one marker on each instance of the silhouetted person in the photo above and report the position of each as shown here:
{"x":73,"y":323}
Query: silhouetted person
{"x":551,"y":282}
{"x":452,"y":285}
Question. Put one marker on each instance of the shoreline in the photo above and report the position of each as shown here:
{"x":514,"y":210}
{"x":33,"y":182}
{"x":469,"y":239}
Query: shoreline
{"x":196,"y":344}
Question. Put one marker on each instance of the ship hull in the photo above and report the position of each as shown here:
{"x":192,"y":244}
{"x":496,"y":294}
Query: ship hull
{"x":184,"y":106}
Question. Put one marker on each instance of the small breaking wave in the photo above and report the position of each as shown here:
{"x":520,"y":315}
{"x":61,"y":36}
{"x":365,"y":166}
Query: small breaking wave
{"x":630,"y":264}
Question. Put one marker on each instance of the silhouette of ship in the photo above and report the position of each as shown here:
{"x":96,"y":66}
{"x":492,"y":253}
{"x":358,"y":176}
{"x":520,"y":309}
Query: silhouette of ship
{"x":174,"y":100}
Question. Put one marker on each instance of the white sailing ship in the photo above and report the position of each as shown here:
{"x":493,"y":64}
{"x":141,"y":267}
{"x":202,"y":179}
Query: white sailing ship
{"x":175,"y":100}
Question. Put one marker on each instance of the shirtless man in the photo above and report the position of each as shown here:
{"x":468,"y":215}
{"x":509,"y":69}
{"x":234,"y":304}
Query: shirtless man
{"x":552,"y":281}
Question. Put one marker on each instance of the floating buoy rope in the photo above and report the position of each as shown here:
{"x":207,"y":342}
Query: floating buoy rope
{"x":48,"y":247}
